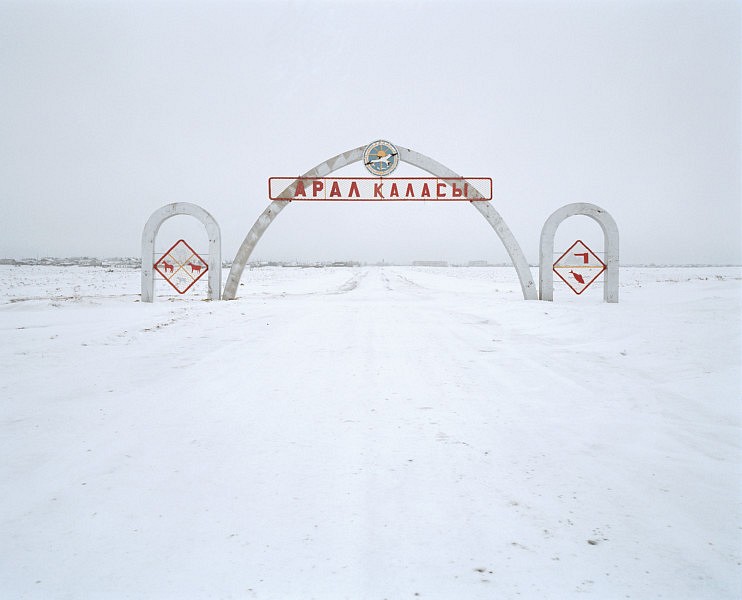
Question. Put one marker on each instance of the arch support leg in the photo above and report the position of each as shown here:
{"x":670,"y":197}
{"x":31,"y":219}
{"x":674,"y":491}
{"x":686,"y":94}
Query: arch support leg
{"x":527,"y":285}
{"x":248,"y":245}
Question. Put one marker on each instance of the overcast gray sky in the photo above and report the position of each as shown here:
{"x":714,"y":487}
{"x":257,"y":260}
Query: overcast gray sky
{"x":109,"y":110}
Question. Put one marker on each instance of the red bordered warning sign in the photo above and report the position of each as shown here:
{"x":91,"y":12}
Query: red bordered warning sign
{"x":579,"y":267}
{"x":181,"y":266}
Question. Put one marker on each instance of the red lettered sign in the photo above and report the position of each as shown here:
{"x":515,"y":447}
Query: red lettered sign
{"x":439,"y":189}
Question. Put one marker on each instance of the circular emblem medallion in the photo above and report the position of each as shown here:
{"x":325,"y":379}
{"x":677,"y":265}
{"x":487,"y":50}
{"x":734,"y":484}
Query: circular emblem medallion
{"x":380,"y":158}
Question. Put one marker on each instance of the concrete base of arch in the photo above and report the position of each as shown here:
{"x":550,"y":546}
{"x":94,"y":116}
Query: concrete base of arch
{"x":610,"y":242}
{"x":421,"y":161}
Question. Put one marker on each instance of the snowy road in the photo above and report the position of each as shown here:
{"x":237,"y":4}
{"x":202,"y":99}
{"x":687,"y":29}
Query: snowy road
{"x":373,"y":433}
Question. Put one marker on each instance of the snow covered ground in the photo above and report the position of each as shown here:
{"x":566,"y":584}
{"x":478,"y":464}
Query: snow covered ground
{"x":371,"y":432}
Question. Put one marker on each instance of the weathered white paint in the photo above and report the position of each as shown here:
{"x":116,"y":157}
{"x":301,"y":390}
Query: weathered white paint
{"x":272,"y":211}
{"x":527,"y":286}
{"x":610,"y":243}
{"x":148,"y":246}
{"x":341,"y":160}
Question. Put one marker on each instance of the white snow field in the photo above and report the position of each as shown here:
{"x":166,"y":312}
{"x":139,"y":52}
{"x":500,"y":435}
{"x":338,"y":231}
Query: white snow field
{"x":370,"y":433}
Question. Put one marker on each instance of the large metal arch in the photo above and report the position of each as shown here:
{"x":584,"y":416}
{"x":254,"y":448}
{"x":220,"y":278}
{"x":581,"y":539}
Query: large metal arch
{"x":610,"y":243}
{"x":149,"y":234}
{"x":421,"y":161}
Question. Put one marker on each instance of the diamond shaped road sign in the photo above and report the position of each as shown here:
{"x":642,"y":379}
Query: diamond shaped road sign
{"x":578,"y":267}
{"x":181,"y":266}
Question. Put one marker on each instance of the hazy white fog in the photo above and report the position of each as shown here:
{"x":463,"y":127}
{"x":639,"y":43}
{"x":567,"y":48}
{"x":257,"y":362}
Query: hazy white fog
{"x":108,"y":110}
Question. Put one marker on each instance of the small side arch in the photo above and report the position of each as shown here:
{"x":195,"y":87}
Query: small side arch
{"x":610,"y":243}
{"x":149,"y":234}
{"x":528,"y":287}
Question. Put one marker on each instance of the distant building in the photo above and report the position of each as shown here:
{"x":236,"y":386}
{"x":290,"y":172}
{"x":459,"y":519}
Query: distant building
{"x":429,"y":263}
{"x":344,"y":263}
{"x":88,"y":262}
